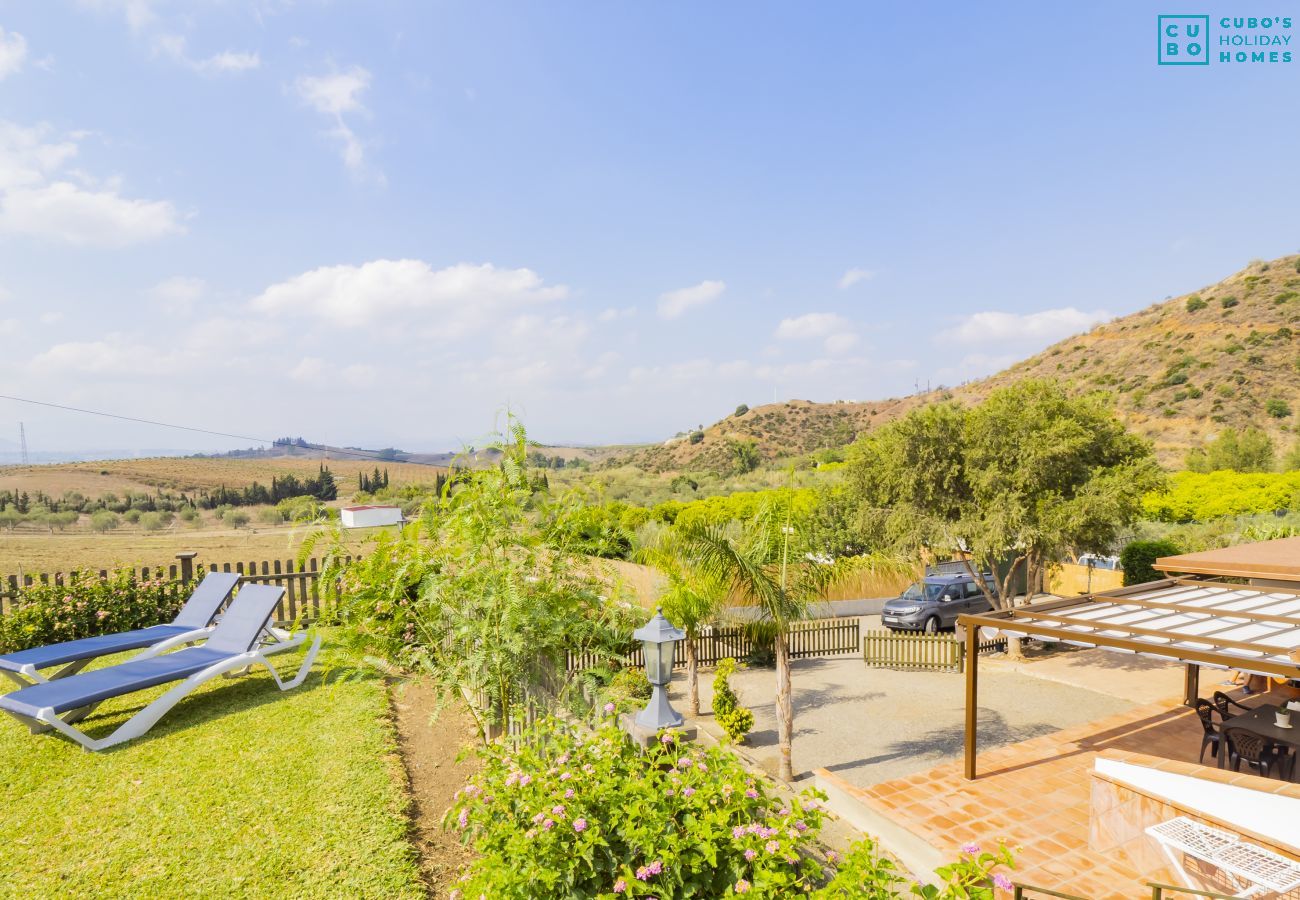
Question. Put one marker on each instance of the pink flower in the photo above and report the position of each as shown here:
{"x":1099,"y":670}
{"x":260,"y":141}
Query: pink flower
{"x":558,"y":810}
{"x":579,"y":824}
{"x":620,"y":886}
{"x":666,"y":738}
{"x":609,"y":710}
{"x":548,"y":824}
{"x":750,"y":854}
{"x":771,"y":846}
{"x":742,"y":886}
{"x":972,"y":849}
{"x":738,"y":832}
{"x":686,"y":792}
{"x":564,"y":758}
{"x":684,"y":762}
{"x":568,"y":795}
{"x":832,"y":856}
{"x":751,"y":794}
{"x":1002,"y":882}
{"x":537,"y":819}
{"x":525,"y":780}
{"x":565,"y":776}
{"x":642,"y":874}
{"x":463,"y":819}
{"x":530,"y":833}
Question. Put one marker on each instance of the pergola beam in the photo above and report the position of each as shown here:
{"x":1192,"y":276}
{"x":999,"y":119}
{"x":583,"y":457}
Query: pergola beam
{"x":1174,"y":637}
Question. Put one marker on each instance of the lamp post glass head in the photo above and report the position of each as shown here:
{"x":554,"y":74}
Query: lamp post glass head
{"x":659,"y":639}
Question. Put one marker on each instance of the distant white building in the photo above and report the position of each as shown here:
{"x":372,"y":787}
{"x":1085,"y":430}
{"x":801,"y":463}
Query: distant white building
{"x":371,"y":516}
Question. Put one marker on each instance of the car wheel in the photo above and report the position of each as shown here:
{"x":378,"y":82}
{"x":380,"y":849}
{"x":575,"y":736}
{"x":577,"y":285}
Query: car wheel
{"x":932,"y":625}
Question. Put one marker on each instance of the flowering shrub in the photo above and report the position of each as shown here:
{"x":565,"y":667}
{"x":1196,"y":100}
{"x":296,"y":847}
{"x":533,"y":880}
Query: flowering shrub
{"x":735,"y":719}
{"x":569,"y":815}
{"x":85,"y":606}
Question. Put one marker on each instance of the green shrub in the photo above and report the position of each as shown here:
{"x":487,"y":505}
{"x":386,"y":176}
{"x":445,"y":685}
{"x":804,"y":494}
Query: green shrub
{"x":1195,"y":304}
{"x":571,"y":815}
{"x":696,"y":437}
{"x":1137,"y":559}
{"x":736,"y":720}
{"x":1277,"y":408}
{"x":1228,"y":302}
{"x":235,"y":518}
{"x":132,"y":515}
{"x":629,"y":683}
{"x":103,"y":520}
{"x":741,"y":410}
{"x":84,"y":606}
{"x":270,"y":515}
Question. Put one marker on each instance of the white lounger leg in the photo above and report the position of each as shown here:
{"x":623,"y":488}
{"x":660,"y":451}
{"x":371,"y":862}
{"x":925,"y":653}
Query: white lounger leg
{"x":146,"y":718}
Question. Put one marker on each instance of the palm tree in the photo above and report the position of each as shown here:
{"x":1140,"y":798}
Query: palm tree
{"x":773,"y":561}
{"x":691,"y":599}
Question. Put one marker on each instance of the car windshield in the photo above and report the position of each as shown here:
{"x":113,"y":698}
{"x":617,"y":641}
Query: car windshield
{"x":923,"y":591}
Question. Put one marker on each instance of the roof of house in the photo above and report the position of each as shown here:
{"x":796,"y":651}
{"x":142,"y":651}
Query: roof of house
{"x":359,"y":508}
{"x":1279,"y":559}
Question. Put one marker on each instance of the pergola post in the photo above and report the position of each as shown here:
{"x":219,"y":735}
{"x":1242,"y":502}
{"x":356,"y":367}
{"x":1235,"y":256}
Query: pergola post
{"x":1191,"y":684}
{"x":972,"y":695}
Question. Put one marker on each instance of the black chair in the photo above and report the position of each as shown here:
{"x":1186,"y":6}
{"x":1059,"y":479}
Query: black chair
{"x":1257,"y":751}
{"x":1211,"y":737}
{"x":1224,"y":704}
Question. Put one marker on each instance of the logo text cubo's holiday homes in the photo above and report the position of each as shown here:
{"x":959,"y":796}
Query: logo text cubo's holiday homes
{"x":1199,"y":40}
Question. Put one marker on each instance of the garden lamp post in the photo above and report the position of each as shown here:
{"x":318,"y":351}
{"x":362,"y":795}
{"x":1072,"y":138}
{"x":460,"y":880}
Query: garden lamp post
{"x":659,"y":639}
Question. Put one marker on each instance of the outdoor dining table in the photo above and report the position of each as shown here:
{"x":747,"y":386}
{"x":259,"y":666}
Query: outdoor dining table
{"x":1261,"y":720}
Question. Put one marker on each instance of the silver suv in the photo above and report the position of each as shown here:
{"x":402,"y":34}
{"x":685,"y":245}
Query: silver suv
{"x":935,"y":602}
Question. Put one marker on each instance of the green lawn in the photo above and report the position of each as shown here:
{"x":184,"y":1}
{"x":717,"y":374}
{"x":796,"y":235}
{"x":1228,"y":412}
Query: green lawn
{"x":241,"y":791}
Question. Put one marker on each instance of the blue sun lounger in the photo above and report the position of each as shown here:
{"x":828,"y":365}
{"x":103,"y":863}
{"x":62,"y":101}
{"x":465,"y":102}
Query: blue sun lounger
{"x":242,"y":639}
{"x":192,"y":623}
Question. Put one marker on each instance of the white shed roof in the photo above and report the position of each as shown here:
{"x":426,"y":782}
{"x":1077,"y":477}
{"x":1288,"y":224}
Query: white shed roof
{"x":1253,"y":629}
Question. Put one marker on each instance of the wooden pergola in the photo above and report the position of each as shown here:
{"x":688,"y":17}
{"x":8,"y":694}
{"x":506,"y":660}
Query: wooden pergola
{"x":1253,"y":628}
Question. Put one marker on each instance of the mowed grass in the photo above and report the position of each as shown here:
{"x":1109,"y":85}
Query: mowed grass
{"x":241,"y":791}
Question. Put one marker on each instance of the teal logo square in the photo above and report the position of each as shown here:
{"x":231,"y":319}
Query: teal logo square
{"x":1183,"y":40}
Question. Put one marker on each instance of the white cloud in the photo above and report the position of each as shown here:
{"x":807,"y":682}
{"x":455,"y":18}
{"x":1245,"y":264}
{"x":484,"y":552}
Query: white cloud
{"x":9,"y":326}
{"x":177,"y":296}
{"x":113,"y":356}
{"x":13,"y":52}
{"x":674,"y":303}
{"x":839,"y":344}
{"x":450,"y":301}
{"x":52,"y":318}
{"x":175,"y":47}
{"x":853,"y":276}
{"x":309,"y":369}
{"x":613,"y":314}
{"x":811,"y":325}
{"x":138,"y":13}
{"x":37,"y":198}
{"x":360,"y":375}
{"x":336,"y":95}
{"x":1030,"y":328}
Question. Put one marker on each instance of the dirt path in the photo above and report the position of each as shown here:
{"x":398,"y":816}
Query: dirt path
{"x":429,"y":749}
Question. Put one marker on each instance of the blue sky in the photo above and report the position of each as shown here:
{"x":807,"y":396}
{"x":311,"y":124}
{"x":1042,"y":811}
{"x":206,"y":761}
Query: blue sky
{"x":379,"y":223}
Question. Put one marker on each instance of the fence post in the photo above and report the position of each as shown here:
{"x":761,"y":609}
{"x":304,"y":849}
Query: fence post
{"x":187,"y":565}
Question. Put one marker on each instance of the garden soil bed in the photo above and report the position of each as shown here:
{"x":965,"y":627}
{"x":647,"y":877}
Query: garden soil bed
{"x":429,"y":749}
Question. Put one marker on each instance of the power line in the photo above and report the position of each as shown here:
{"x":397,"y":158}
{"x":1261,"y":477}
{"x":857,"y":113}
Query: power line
{"x":362,"y":454}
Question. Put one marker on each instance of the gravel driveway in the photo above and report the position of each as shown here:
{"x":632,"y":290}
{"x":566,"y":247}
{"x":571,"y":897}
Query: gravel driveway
{"x":871,"y":725}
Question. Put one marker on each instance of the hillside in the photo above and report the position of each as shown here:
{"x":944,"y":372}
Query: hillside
{"x":1225,"y":355}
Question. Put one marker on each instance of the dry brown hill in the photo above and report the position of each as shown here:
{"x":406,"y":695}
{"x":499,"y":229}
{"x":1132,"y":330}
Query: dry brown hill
{"x":1179,"y":370}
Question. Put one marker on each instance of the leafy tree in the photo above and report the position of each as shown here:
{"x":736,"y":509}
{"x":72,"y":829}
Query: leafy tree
{"x":104,"y":520}
{"x":697,"y":436}
{"x":692,"y":598}
{"x":9,"y":518}
{"x":1017,"y":482}
{"x":1138,"y":557}
{"x":773,"y":560}
{"x":744,"y":455}
{"x":235,"y":518}
{"x":741,"y":410}
{"x":1239,"y":451}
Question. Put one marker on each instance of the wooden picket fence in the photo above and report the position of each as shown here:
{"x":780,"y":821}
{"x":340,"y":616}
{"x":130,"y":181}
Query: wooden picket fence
{"x":810,"y":638}
{"x":886,"y":649}
{"x":301,"y":582}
